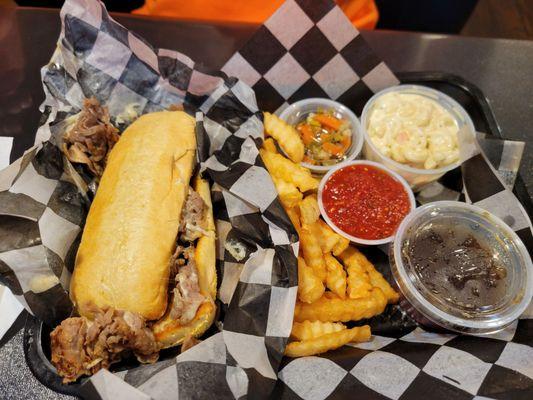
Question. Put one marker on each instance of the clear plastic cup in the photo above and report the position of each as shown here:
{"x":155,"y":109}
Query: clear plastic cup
{"x":392,"y":174}
{"x":416,"y":177}
{"x":427,"y":308}
{"x":294,"y":113}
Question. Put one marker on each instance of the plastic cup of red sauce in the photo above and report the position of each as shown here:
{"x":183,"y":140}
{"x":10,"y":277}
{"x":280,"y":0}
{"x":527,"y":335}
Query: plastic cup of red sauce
{"x":364,"y":201}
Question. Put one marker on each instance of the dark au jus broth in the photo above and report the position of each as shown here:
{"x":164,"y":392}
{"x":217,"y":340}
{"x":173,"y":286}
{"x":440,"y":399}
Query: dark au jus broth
{"x":455,"y":264}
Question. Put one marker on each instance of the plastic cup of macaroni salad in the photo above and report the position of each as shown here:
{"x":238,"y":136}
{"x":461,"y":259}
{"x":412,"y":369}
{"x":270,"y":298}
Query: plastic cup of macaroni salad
{"x":446,"y":112}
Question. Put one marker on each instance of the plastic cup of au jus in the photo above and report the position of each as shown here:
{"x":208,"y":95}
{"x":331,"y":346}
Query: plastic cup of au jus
{"x":416,"y":177}
{"x":493,"y":289}
{"x":393,"y":175}
{"x":298,"y":111}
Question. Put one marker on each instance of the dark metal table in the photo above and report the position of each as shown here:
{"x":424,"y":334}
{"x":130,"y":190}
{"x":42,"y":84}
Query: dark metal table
{"x":501,"y":68}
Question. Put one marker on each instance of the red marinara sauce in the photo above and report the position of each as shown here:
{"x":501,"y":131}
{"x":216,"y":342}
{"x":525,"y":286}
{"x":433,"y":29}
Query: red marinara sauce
{"x":365,"y":202}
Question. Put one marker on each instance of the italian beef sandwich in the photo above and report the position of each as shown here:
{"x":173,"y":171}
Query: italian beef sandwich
{"x":144,"y":277}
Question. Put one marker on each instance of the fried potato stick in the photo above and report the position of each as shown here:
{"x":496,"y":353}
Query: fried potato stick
{"x":270,"y":145}
{"x":310,"y":287}
{"x":326,"y":238}
{"x":336,"y":276}
{"x":312,"y":253}
{"x":332,"y":309}
{"x":354,"y":256}
{"x":341,"y":245}
{"x":329,"y":240}
{"x":358,"y":281}
{"x":294,"y":215}
{"x":310,"y":213}
{"x":285,"y":169}
{"x":288,"y":193}
{"x":310,"y":330}
{"x":286,"y":136}
{"x":327,"y":342}
{"x":359,"y":285}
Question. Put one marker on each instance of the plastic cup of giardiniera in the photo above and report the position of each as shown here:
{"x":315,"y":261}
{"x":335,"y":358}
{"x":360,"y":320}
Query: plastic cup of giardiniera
{"x":298,"y":111}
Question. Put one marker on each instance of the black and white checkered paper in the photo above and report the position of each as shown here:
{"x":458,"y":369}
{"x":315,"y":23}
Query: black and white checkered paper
{"x":45,"y":203}
{"x":307,"y":48}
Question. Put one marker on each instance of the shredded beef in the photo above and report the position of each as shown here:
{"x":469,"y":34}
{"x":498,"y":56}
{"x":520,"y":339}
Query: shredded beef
{"x":185,"y":290}
{"x":68,"y":350}
{"x":82,"y":347}
{"x":186,"y":296}
{"x":193,"y":219}
{"x":91,"y":138}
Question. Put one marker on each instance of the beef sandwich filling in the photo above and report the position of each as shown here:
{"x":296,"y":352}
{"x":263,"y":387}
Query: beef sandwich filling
{"x":83,"y":347}
{"x":185,"y":296}
{"x":91,"y":137}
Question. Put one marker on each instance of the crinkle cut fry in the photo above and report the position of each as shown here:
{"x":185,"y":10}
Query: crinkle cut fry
{"x":287,"y":137}
{"x":309,"y":210}
{"x":312,"y":253}
{"x":310,"y":287}
{"x":328,"y":342}
{"x":288,"y":193}
{"x":332,"y":308}
{"x":353,"y":256}
{"x":336,"y":276}
{"x":285,"y":169}
{"x":312,"y":329}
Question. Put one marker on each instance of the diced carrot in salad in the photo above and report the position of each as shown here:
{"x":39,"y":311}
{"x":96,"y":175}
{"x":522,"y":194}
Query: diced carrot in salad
{"x":326,"y":137}
{"x":346,"y":143}
{"x":331,"y":148}
{"x":307,"y":134}
{"x":329,"y":121}
{"x":309,"y":160}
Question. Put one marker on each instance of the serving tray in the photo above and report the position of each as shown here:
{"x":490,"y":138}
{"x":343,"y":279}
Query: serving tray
{"x":36,"y":334}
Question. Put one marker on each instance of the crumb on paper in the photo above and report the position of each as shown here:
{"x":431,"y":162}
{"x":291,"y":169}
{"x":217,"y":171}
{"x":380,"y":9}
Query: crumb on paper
{"x":41,"y":283}
{"x":236,"y":249}
{"x":130,"y":113}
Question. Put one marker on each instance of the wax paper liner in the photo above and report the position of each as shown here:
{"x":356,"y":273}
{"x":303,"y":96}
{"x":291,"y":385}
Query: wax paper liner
{"x":401,"y":361}
{"x":45,"y":201}
{"x":97,"y":56}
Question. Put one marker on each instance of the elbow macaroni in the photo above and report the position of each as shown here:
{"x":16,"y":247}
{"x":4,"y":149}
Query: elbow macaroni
{"x":414,"y":130}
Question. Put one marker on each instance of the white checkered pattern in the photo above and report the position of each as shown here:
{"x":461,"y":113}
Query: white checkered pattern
{"x":458,"y":367}
{"x":309,"y":51}
{"x":39,"y":263}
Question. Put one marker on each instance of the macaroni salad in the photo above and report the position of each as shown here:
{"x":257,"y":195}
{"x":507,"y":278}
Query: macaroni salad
{"x":414,"y":130}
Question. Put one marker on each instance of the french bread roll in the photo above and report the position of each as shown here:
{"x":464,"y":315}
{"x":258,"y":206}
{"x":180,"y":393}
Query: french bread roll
{"x":131,"y":228}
